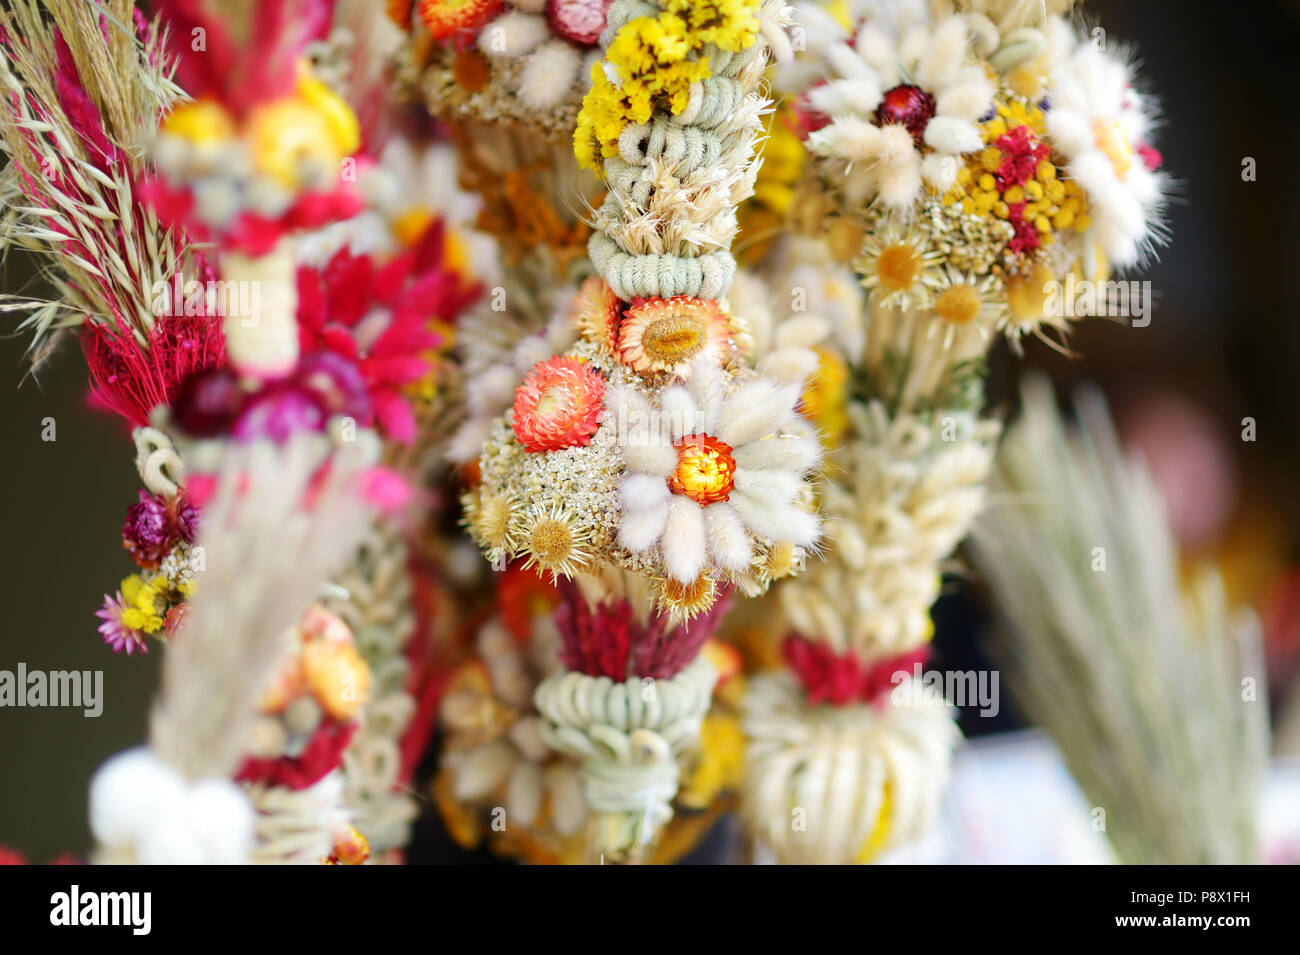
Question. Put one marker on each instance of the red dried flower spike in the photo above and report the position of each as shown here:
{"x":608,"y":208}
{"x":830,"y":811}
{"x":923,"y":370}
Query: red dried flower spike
{"x":607,"y":639}
{"x":844,"y":679}
{"x":908,"y":106}
{"x":579,"y":21}
{"x":445,"y":18}
{"x":323,"y":753}
{"x":558,"y":405}
{"x":1021,"y":154}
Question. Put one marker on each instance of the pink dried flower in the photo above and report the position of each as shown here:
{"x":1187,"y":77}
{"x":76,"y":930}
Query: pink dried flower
{"x":116,"y":633}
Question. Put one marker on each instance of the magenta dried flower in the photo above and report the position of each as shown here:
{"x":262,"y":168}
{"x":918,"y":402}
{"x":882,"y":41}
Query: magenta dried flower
{"x":187,"y":518}
{"x":148,"y":531}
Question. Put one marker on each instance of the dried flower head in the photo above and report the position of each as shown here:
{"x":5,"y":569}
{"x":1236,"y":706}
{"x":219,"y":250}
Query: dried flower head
{"x":558,"y":405}
{"x":596,"y":312}
{"x":556,"y":542}
{"x":665,"y":335}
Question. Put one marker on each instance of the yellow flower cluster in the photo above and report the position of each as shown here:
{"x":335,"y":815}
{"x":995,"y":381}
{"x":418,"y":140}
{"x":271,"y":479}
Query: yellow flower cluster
{"x":1051,"y":203}
{"x":721,"y":761}
{"x":727,"y":24}
{"x":311,"y":124}
{"x":146,"y":603}
{"x":656,"y":59}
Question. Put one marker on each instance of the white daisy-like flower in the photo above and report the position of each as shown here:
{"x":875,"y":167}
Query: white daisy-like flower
{"x":711,"y":469}
{"x":1100,"y":123}
{"x":903,"y":109}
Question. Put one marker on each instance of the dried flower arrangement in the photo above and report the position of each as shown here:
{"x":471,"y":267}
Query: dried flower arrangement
{"x":328,"y":322}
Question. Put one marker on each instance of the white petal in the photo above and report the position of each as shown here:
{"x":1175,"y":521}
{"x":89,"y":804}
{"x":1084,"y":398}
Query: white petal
{"x":859,"y":95}
{"x":847,"y":63}
{"x":1070,"y":132}
{"x":945,"y":56}
{"x":802,"y":331}
{"x":549,"y":74}
{"x":899,"y":184}
{"x":794,"y":365}
{"x":948,"y":134}
{"x":767,"y":485}
{"x":513,"y":35}
{"x":779,"y":452}
{"x":707,"y":386}
{"x":484,"y":769}
{"x":640,"y":491}
{"x":728,"y":542}
{"x":778,"y":522}
{"x":639,"y":529}
{"x":756,"y":409}
{"x":939,"y":170}
{"x":969,"y":97}
{"x":568,"y":809}
{"x":645,"y":449}
{"x":848,"y":137}
{"x":878,"y":52}
{"x":677,"y":414}
{"x":654,"y":458}
{"x":524,"y":793}
{"x":683,"y":540}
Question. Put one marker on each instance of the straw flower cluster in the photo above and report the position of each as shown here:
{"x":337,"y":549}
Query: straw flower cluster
{"x":695,"y":482}
{"x":649,"y":445}
{"x":979,"y":164}
{"x":523,"y":61}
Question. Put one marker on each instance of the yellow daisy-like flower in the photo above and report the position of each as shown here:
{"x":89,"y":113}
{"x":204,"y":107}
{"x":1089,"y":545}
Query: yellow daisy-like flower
{"x":1029,"y":306}
{"x":556,"y":542}
{"x":897,"y":266}
{"x":964,"y":306}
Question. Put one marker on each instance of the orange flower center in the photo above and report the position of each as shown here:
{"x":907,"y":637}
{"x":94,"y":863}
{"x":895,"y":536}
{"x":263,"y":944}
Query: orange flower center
{"x":959,"y":305}
{"x":705,"y":469}
{"x":1110,"y":139}
{"x":674,"y":339}
{"x":898,"y":266}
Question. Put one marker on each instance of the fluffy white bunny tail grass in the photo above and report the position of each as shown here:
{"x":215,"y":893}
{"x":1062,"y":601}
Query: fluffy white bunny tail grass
{"x":1006,"y":14}
{"x":1155,"y":693}
{"x":249,"y":595}
{"x":629,"y":738}
{"x":835,"y":785}
{"x":143,"y":813}
{"x":298,"y":826}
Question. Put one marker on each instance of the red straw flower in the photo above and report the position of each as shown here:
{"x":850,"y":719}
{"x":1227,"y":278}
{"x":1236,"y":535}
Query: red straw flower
{"x":558,"y":405}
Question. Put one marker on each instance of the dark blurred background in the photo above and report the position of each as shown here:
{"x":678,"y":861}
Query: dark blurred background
{"x":1223,"y":345}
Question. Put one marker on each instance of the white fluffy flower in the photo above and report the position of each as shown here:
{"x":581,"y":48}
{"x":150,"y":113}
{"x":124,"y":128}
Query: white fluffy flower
{"x":1096,"y":121}
{"x":143,"y":811}
{"x":926,"y":69}
{"x":711,"y":469}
